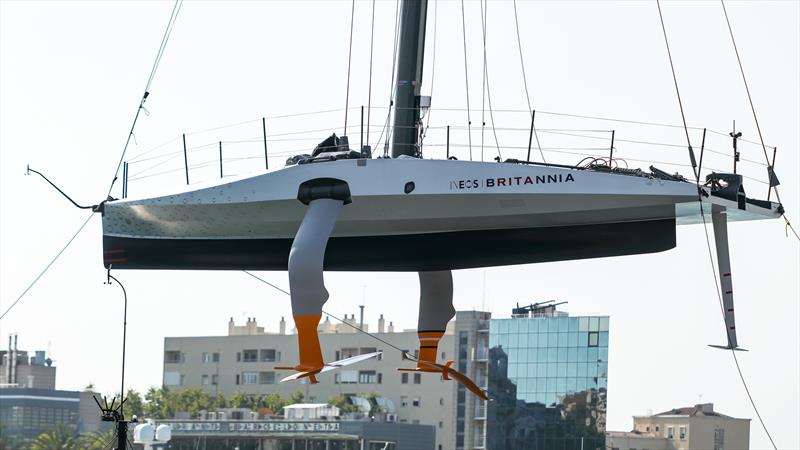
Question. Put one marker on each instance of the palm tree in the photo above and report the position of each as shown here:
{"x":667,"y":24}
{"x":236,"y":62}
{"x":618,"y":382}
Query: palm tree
{"x":61,"y":437}
{"x":99,"y":440}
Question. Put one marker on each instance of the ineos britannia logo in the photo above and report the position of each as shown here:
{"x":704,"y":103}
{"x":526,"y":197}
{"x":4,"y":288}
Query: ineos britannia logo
{"x":475,"y":183}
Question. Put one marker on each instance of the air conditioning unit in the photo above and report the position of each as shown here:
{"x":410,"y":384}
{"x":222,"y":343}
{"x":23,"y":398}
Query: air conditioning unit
{"x":391,"y":417}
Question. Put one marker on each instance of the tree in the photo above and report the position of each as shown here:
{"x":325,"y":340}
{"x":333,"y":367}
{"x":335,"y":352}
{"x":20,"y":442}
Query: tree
{"x":297,"y":397}
{"x":99,"y":440}
{"x":61,"y":437}
{"x":159,"y":403}
{"x":239,"y":399}
{"x":341,"y":401}
{"x":193,"y":400}
{"x":134,"y":405}
{"x":273,"y":401}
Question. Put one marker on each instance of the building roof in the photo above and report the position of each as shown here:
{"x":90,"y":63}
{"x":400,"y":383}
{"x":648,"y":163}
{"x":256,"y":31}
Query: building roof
{"x":701,"y":410}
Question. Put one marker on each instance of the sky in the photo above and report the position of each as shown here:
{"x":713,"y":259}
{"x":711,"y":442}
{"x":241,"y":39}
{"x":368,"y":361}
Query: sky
{"x":72,"y":74}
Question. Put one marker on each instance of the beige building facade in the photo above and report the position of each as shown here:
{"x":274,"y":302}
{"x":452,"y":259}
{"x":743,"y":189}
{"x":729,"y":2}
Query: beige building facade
{"x":245,"y":361}
{"x":696,"y":427}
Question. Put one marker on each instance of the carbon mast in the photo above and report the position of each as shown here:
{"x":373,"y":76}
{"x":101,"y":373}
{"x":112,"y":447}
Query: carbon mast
{"x":409,"y":77}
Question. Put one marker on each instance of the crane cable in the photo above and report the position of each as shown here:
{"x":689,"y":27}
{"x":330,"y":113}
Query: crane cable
{"x":484,"y":26}
{"x":466,"y":78}
{"x":770,"y":169}
{"x":165,"y":38}
{"x":708,"y":240}
{"x":47,"y":267}
{"x":349,"y":61}
{"x":369,"y":88}
{"x":176,"y":9}
{"x":359,"y":329}
{"x":525,"y":82}
{"x":678,"y":93}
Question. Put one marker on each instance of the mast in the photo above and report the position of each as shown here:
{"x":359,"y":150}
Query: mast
{"x":409,"y":77}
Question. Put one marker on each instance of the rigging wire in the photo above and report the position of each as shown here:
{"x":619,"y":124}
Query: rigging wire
{"x":466,"y":77}
{"x":483,"y":74}
{"x":755,"y":118}
{"x":47,"y":267}
{"x":484,"y":26}
{"x":433,"y":66}
{"x":525,"y":82}
{"x":677,"y":92}
{"x":708,"y":240}
{"x":361,"y":330}
{"x":176,"y":9}
{"x":391,"y":86}
{"x":369,"y":89}
{"x":349,"y":61}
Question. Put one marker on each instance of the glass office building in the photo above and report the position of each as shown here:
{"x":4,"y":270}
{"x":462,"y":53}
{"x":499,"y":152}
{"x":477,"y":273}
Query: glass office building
{"x":549,"y":374}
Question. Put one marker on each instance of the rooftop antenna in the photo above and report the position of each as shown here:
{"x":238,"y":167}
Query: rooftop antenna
{"x":113,"y":412}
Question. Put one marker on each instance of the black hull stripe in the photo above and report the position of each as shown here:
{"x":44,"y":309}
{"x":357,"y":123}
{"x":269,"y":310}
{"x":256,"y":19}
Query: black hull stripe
{"x":414,"y":252}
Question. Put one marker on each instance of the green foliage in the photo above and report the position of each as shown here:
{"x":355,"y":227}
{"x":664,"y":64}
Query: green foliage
{"x":164,"y":403}
{"x":134,"y":405}
{"x":61,"y":437}
{"x":297,"y":397}
{"x":273,"y":401}
{"x":159,"y":404}
{"x":98,"y":440}
{"x":340,"y":401}
{"x":240,"y":399}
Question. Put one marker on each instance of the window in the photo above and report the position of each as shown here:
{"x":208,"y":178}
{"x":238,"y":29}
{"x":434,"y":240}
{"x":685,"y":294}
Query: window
{"x":594,"y":338}
{"x":268,"y":355}
{"x":404,"y":378}
{"x":172,"y":379}
{"x":206,"y":358}
{"x":719,"y":439}
{"x":214,"y":379}
{"x":173,"y":357}
{"x":250,"y":355}
{"x":658,"y":428}
{"x":238,"y":357}
{"x":670,"y":433}
{"x":367,"y":377}
{"x":365,"y":350}
{"x":417,"y":378}
{"x":403,"y":400}
{"x":204,"y":380}
{"x":237,"y":378}
{"x":349,"y":352}
{"x":682,"y":433}
{"x":441,"y":424}
{"x":415,"y":402}
{"x":249,"y":378}
{"x":441,"y":401}
{"x":348,"y":376}
{"x":266,"y":377}
{"x":215,"y":357}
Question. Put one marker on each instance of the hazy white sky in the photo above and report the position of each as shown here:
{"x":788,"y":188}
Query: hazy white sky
{"x":71,"y":75}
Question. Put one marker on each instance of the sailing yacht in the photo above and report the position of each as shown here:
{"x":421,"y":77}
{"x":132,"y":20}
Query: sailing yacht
{"x":340,"y":209}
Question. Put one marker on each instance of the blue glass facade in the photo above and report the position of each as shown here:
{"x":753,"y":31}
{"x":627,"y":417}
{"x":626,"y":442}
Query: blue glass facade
{"x":549,"y":375}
